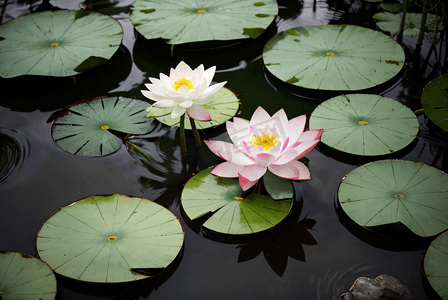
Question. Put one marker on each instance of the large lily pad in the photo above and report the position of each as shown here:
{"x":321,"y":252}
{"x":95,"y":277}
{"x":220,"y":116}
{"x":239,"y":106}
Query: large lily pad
{"x":82,"y":130}
{"x":100,"y":238}
{"x":23,"y":277}
{"x":202,"y":20}
{"x":435,"y":101}
{"x":333,"y":57}
{"x":57,"y":43}
{"x":365,"y":124}
{"x":436,"y":265}
{"x":232,"y":213}
{"x":390,"y":22}
{"x":394,"y":191}
{"x":222,"y":108}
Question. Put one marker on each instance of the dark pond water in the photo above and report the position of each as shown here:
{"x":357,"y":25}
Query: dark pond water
{"x":318,"y":252}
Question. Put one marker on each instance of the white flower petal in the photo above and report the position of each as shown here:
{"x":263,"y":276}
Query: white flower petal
{"x":165,"y":103}
{"x":185,"y":104}
{"x":212,"y":89}
{"x":177,"y":112}
{"x":152,"y":96}
{"x":208,"y":74}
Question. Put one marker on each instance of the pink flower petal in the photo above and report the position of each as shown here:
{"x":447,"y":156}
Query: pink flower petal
{"x":286,"y":157}
{"x":238,"y":132}
{"x":312,"y":134}
{"x":296,"y":125}
{"x":293,"y":170}
{"x":282,"y":120}
{"x":198,"y":112}
{"x":246,"y":183}
{"x":259,"y":116}
{"x":285,"y":145}
{"x":253,"y":172}
{"x":264,"y":159}
{"x":304,"y":147}
{"x":229,"y":152}
{"x":227,"y":169}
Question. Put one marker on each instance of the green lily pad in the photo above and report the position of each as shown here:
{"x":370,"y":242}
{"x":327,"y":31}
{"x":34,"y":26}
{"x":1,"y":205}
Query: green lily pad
{"x":222,"y":108}
{"x":202,"y":20}
{"x":397,"y":191}
{"x":101,"y":238}
{"x":277,"y":187}
{"x":57,"y":43}
{"x":25,"y":277}
{"x":435,"y":101}
{"x":82,"y":130}
{"x":232,"y":213}
{"x":436,"y":265}
{"x":365,"y":124}
{"x":333,"y":57}
{"x":390,"y":22}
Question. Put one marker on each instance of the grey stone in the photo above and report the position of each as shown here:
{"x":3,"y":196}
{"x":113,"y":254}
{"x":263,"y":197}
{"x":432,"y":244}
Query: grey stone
{"x":384,"y":287}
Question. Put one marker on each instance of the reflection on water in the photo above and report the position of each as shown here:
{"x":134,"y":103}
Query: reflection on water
{"x":14,"y":149}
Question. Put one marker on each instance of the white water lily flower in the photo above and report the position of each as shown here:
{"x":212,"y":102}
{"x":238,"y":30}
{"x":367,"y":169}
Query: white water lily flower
{"x":185,"y":89}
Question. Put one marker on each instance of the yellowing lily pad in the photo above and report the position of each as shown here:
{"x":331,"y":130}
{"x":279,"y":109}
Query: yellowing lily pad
{"x":232,"y":213}
{"x":364,"y":124}
{"x":436,"y":265}
{"x":333,"y":57}
{"x":202,"y":20}
{"x":23,"y":277}
{"x":222,"y":108}
{"x":397,"y":191}
{"x":101,"y":238}
{"x":435,"y":101}
{"x":57,"y":43}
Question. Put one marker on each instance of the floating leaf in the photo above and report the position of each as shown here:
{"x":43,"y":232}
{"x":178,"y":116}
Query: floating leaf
{"x":55,"y":43}
{"x":394,"y":191}
{"x":435,"y":101}
{"x":390,"y":22}
{"x":333,"y":57}
{"x":25,"y":277}
{"x":100,"y":238}
{"x":436,"y":265}
{"x":232,"y":213}
{"x":365,"y":124}
{"x":83,"y":130}
{"x":222,"y":108}
{"x":202,"y":20}
{"x":277,"y":187}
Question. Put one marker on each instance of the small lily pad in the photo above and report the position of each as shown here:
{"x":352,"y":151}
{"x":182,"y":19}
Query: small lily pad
{"x":435,"y":101}
{"x":365,"y":124}
{"x":57,"y":43}
{"x":232,"y":212}
{"x":333,"y":57}
{"x":25,"y":277}
{"x":101,"y":238}
{"x":390,"y":22}
{"x":202,"y":20}
{"x":222,"y":108}
{"x":83,"y":128}
{"x":397,"y":191}
{"x":436,"y":265}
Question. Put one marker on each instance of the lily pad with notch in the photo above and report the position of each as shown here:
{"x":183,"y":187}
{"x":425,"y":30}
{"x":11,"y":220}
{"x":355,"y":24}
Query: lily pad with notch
{"x":232,"y":212}
{"x":333,"y":57}
{"x":436,"y":265}
{"x":222,"y":108}
{"x":394,"y":192}
{"x":108,"y":239}
{"x":25,"y":277}
{"x":364,"y":124}
{"x":196,"y":21}
{"x":83,"y":128}
{"x":435,"y":101}
{"x":57,"y":43}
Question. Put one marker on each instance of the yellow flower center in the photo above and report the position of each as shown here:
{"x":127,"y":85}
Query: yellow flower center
{"x":112,"y":238}
{"x":104,"y":127}
{"x":399,"y":196}
{"x":363,"y":122}
{"x":183,"y":82}
{"x":238,"y":198}
{"x":54,"y":44}
{"x":201,"y":11}
{"x":330,"y":53}
{"x":264,"y":140}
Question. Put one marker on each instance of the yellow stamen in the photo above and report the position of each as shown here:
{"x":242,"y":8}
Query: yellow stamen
{"x":201,"y":11}
{"x":112,"y":238}
{"x":238,"y":198}
{"x":183,"y":82}
{"x":104,"y":127}
{"x":399,"y":196}
{"x":363,"y":122}
{"x":330,"y":53}
{"x":264,"y":140}
{"x":54,"y":44}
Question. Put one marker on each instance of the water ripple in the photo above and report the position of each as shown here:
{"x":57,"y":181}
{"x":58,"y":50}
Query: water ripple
{"x":14,"y":150}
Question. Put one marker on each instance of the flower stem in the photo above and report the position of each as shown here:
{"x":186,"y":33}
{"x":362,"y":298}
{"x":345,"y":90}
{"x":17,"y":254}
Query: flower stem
{"x":183,"y":144}
{"x":195,"y":132}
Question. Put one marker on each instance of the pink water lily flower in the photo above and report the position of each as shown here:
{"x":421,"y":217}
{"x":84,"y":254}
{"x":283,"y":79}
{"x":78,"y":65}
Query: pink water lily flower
{"x":185,"y":90}
{"x":266,"y":142}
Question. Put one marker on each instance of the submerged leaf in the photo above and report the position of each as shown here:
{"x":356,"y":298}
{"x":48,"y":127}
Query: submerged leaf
{"x":390,"y":22}
{"x":435,"y":101}
{"x":436,"y":265}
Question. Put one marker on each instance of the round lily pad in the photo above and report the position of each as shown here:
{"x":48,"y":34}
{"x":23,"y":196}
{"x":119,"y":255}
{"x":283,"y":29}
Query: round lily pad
{"x":101,"y":238}
{"x":435,"y":101}
{"x":365,"y":124}
{"x":222,"y":108}
{"x":232,"y":212}
{"x":83,"y":128}
{"x":202,"y":20}
{"x":436,"y":265}
{"x":25,"y":277}
{"x":57,"y":43}
{"x":397,"y":191}
{"x":333,"y":57}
